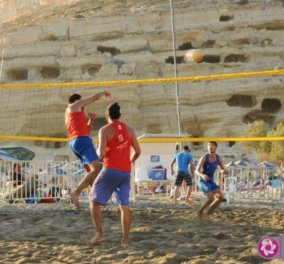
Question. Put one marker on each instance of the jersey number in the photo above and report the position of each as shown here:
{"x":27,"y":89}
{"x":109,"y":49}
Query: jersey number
{"x":120,"y":138}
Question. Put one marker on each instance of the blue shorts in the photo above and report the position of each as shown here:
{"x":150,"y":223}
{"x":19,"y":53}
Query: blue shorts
{"x":207,"y":186}
{"x":84,"y":149}
{"x":108,"y":182}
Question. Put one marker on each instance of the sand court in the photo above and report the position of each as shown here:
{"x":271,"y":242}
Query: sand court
{"x":161,"y":233}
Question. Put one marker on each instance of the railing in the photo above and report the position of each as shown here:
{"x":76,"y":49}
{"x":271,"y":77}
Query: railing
{"x":50,"y":181}
{"x":253,"y":185}
{"x":39,"y":181}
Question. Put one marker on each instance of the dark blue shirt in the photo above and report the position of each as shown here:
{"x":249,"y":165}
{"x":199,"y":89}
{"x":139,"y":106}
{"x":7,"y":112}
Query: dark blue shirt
{"x":210,"y":168}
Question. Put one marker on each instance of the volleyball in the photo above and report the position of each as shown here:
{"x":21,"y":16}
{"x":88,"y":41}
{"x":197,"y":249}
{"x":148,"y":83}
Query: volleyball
{"x":194,"y":55}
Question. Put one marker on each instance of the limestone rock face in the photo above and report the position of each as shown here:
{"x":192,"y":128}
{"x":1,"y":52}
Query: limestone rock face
{"x":74,"y":41}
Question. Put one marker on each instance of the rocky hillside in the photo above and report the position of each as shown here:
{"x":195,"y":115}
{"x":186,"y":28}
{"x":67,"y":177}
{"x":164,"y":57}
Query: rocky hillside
{"x":69,"y":41}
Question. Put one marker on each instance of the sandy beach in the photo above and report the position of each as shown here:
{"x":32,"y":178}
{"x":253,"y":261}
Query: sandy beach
{"x":161,"y":233}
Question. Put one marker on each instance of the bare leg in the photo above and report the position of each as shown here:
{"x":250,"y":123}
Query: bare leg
{"x":87,"y":168}
{"x":125,"y":223}
{"x":188,"y":193}
{"x":172,"y":192}
{"x":176,"y":193}
{"x":218,"y":198}
{"x":209,"y":200}
{"x":96,"y":215}
{"x":95,"y":168}
{"x":183,"y":188}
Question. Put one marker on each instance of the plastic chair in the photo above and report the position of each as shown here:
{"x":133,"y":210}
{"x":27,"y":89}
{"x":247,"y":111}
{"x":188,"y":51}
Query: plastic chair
{"x":141,"y":176}
{"x":230,"y":188}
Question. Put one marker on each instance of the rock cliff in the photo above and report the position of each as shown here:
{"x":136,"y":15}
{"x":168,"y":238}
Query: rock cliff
{"x":70,"y":41}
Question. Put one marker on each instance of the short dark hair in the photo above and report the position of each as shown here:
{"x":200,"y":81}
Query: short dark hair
{"x":186,"y":148}
{"x":73,"y":98}
{"x":214,"y":142}
{"x":114,"y":111}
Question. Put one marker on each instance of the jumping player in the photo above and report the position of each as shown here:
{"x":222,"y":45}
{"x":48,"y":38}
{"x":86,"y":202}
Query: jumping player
{"x":78,"y":128}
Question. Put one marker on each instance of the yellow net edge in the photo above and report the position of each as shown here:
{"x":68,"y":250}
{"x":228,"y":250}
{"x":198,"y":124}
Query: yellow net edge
{"x":154,"y":140}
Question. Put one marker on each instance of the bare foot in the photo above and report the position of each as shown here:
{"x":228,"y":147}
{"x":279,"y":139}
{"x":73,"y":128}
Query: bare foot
{"x":96,"y":240}
{"x":190,"y":200}
{"x":75,"y":199}
{"x":124,"y":242}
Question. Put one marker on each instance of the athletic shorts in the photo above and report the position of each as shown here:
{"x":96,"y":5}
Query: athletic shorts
{"x":183,"y":176}
{"x":84,"y":149}
{"x":108,"y":182}
{"x":208,"y":186}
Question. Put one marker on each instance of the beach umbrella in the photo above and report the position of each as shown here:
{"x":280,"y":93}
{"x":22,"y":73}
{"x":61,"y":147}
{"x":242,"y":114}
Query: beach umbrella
{"x":241,"y":163}
{"x":18,"y":153}
{"x":266,"y":165}
{"x":231,"y":164}
{"x":6,"y":156}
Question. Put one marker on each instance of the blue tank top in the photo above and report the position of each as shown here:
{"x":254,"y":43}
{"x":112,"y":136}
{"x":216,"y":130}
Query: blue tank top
{"x":210,"y":168}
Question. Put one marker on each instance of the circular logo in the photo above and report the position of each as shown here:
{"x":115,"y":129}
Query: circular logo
{"x":267,"y":248}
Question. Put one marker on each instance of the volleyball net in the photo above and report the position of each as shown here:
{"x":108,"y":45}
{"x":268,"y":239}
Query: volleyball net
{"x":36,"y":110}
{"x":41,"y":108}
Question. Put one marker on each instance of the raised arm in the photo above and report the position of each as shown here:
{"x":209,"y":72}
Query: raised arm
{"x":83,"y":102}
{"x":91,"y":120}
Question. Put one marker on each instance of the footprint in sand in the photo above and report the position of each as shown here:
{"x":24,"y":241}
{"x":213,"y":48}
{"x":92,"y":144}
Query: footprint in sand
{"x":222,"y":236}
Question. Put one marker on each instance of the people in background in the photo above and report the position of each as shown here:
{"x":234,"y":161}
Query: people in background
{"x":18,"y":177}
{"x":183,"y":170}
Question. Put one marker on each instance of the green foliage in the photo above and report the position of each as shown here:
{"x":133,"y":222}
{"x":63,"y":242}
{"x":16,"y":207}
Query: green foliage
{"x":277,"y":147}
{"x":271,"y":150}
{"x":256,"y":129}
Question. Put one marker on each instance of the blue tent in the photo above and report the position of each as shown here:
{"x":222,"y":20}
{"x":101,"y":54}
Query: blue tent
{"x":266,"y":165}
{"x":16,"y":153}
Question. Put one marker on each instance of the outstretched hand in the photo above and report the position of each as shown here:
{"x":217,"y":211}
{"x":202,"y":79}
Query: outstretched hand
{"x":107,"y":94}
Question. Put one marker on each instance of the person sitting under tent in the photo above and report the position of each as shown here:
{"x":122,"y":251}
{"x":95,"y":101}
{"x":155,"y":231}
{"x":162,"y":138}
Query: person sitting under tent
{"x":17,"y":175}
{"x":26,"y":190}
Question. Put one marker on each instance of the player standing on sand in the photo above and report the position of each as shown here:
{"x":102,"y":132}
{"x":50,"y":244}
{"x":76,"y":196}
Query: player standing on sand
{"x":115,"y":142}
{"x":206,"y":168}
{"x":183,"y":161}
